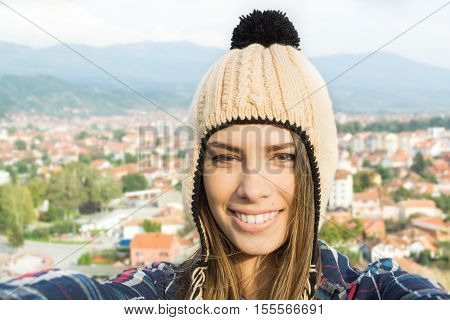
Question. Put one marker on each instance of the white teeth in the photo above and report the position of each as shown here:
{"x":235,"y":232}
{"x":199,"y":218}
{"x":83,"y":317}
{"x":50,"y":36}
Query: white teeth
{"x":256,"y":219}
{"x":242,"y":217}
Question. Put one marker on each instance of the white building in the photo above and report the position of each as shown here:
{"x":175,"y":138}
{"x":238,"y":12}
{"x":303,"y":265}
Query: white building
{"x":390,"y":142}
{"x":367,"y":204}
{"x":342,"y":190}
{"x":5,"y":177}
{"x":412,"y":206}
{"x":429,"y":147}
{"x":436,"y":132}
{"x":392,"y":246}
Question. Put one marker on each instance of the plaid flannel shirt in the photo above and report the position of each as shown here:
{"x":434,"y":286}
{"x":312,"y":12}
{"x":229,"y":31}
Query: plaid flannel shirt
{"x":382,"y":279}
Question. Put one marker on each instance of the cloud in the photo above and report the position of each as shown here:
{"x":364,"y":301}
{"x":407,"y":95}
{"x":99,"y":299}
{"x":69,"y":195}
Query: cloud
{"x":325,"y":27}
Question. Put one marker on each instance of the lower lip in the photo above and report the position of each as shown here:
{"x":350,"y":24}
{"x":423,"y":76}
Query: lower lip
{"x":254,"y":227}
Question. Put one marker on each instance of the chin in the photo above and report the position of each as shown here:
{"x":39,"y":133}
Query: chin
{"x":257,"y":249}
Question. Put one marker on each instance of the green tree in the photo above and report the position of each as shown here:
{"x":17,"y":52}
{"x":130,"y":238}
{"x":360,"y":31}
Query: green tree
{"x":366,"y":164}
{"x":62,"y":227}
{"x":21,"y":167}
{"x":80,"y":186}
{"x":81,"y":135}
{"x":401,"y":194}
{"x":134,"y":182}
{"x":420,"y":166}
{"x":17,"y":209}
{"x":130,"y":158}
{"x":362,"y":181}
{"x":424,"y":257}
{"x":65,"y":192}
{"x":393,"y":225}
{"x":101,"y":187}
{"x":336,"y":234}
{"x":385,"y":173}
{"x":37,"y":188}
{"x":151,"y":226}
{"x":41,"y":233}
{"x":20,"y":145}
{"x":96,"y":153}
{"x":395,"y":126}
{"x":85,"y":259}
{"x":118,"y":135}
{"x":85,"y":158}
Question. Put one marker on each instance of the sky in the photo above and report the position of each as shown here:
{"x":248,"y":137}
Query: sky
{"x":325,"y":27}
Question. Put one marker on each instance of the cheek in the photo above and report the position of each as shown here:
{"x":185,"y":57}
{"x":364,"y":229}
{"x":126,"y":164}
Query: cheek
{"x":219,"y":189}
{"x":284,"y":183}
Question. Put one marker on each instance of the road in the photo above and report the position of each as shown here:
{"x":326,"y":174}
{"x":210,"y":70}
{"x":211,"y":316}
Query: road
{"x":62,"y":255}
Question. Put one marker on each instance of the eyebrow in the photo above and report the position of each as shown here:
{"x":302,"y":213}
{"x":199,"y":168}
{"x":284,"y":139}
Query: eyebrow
{"x":237,"y":149}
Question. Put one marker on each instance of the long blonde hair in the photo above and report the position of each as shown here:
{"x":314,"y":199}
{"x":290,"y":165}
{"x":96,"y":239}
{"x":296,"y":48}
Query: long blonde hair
{"x":293,"y":258}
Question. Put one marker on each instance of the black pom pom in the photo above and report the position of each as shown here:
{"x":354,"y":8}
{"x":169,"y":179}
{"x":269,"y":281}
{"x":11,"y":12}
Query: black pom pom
{"x":266,"y":28}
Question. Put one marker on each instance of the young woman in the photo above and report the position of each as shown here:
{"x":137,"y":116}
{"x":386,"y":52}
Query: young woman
{"x":260,"y":174}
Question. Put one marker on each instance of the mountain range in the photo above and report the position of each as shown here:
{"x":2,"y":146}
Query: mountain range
{"x":67,"y":79}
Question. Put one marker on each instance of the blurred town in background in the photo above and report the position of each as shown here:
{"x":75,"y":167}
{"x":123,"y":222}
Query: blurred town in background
{"x":91,"y":161}
{"x":75,"y":193}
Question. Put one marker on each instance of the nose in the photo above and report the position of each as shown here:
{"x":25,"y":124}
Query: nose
{"x":253,"y":186}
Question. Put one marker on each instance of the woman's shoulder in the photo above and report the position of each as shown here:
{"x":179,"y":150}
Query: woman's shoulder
{"x":150,"y":282}
{"x":381,"y":279}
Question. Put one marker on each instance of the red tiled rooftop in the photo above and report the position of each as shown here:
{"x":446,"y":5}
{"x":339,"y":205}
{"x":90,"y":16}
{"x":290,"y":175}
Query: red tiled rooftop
{"x":152,"y":241}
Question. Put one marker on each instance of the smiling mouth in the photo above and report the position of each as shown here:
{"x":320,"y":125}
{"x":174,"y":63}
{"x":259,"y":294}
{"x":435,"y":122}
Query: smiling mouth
{"x":255,"y":218}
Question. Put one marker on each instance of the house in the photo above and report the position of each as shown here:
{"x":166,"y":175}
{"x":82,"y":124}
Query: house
{"x":125,"y":169}
{"x":418,"y":246}
{"x":357,"y":143}
{"x":373,"y":228}
{"x":342,"y":190}
{"x":373,"y":159}
{"x":47,"y":172}
{"x":444,"y":183}
{"x":428,"y":147}
{"x":172,"y":219}
{"x":439,"y":166}
{"x":407,"y":140}
{"x":389,"y":209}
{"x":117,"y":149}
{"x":434,"y":226}
{"x":147,"y":247}
{"x":408,"y":181}
{"x":400,"y":159}
{"x":129,"y":229}
{"x":418,"y":240}
{"x":390,"y":142}
{"x":411,"y":206}
{"x":436,"y":132}
{"x":390,"y":247}
{"x":367,"y":203}
{"x":100,"y":164}
{"x":339,"y":217}
{"x":372,"y":142}
{"x":394,"y":184}
{"x":428,"y":188}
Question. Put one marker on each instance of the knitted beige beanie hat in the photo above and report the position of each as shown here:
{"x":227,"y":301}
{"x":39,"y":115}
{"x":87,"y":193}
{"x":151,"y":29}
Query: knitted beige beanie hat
{"x":264,"y":78}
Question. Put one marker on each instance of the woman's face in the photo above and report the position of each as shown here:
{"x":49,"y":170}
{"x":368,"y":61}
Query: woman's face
{"x":249,"y":182}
